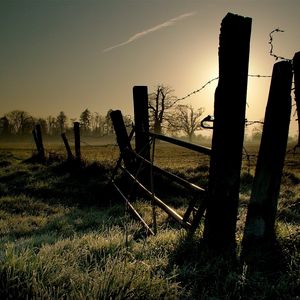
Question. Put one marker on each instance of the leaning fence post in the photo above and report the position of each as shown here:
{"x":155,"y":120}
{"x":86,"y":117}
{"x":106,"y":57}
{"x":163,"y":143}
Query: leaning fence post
{"x":266,"y":185}
{"x":77,"y":141}
{"x":35,"y":139}
{"x":68,"y":148}
{"x":296,"y":66}
{"x":39,"y":140}
{"x":228,"y":134}
{"x":122,"y":137}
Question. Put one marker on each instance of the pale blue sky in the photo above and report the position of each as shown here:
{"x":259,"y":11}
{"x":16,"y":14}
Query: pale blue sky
{"x":75,"y":54}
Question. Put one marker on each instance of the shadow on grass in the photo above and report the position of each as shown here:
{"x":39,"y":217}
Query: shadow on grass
{"x":268,"y":272}
{"x":204,"y":273}
{"x":46,"y":203}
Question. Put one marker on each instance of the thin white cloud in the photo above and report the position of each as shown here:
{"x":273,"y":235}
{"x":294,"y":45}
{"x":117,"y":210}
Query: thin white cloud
{"x":141,"y":34}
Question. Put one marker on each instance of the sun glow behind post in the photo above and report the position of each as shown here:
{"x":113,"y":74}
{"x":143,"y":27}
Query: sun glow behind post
{"x":204,"y":72}
{"x":257,"y":92}
{"x":257,"y":98}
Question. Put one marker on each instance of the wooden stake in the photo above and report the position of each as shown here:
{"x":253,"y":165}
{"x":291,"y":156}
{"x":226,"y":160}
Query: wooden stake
{"x":122,"y":138}
{"x":39,"y":138}
{"x":296,"y":66}
{"x":68,"y":149}
{"x":265,"y":191}
{"x":77,"y":141}
{"x":228,"y":134}
{"x":141,"y":121}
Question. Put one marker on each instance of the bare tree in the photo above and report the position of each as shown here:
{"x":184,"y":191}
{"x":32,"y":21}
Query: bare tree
{"x":187,"y":119}
{"x":20,"y":121}
{"x":160,"y":104}
{"x":97,"y":124}
{"x":51,"y":124}
{"x":109,"y":129}
{"x":61,"y":120}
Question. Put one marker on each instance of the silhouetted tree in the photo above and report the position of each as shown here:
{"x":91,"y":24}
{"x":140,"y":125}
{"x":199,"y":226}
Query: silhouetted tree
{"x":128,"y":121}
{"x":20,"y":122}
{"x":61,"y":121}
{"x":51,"y":124}
{"x":99,"y":124}
{"x":85,"y":120}
{"x":160,"y":103}
{"x":187,"y":119}
{"x":109,"y":129}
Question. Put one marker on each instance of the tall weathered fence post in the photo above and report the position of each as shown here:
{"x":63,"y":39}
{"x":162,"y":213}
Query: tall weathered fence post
{"x":77,"y":141}
{"x":68,"y":148}
{"x":141,"y":121}
{"x":228,"y":134}
{"x":266,"y":185}
{"x":296,"y":66}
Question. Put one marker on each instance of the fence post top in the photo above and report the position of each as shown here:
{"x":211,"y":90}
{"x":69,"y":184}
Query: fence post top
{"x":297,"y":55}
{"x":140,"y":87}
{"x":231,"y":16}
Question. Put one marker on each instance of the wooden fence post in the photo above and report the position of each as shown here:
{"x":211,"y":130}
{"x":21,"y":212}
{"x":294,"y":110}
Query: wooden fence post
{"x":37,"y":135}
{"x":77,"y":141}
{"x":122,"y":137}
{"x":68,"y":149}
{"x":296,"y":66}
{"x":35,"y":139}
{"x":266,"y":185}
{"x":141,"y":121}
{"x":228,"y":134}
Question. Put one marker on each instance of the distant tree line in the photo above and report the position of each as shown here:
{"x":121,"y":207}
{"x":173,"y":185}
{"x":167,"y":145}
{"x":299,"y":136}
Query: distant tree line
{"x":20,"y":123}
{"x":166,"y":116}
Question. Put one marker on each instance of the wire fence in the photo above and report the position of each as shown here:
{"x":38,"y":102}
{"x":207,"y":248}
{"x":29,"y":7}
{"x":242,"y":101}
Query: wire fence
{"x":271,"y":39}
{"x":247,"y":156}
{"x":271,"y":52}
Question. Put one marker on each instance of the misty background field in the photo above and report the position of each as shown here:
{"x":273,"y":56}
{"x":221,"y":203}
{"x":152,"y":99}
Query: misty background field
{"x":64,"y":233}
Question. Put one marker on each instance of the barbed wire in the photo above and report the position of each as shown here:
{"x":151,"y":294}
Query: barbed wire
{"x":249,"y":123}
{"x":198,"y":90}
{"x":271,"y":39}
{"x":271,"y":52}
{"x":214,"y":79}
{"x":260,"y":76}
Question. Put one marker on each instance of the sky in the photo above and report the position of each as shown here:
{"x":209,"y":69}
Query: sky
{"x":69,"y":55}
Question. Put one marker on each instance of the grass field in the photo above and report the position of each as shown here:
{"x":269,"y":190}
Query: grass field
{"x":65,"y":235}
